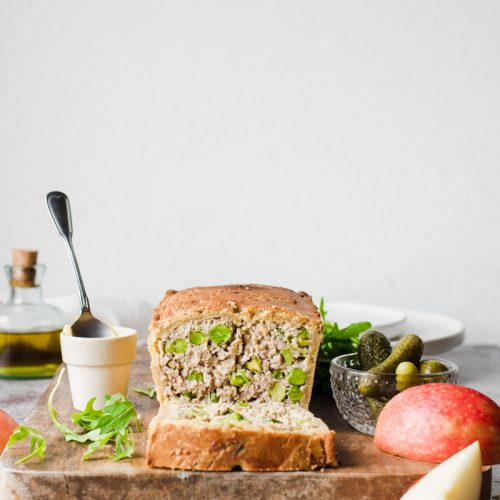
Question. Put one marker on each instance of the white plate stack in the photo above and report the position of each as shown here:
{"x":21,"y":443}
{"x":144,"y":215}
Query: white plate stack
{"x":439,"y":332}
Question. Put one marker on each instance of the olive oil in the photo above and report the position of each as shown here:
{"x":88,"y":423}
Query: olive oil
{"x":29,"y":354}
{"x":29,"y":328}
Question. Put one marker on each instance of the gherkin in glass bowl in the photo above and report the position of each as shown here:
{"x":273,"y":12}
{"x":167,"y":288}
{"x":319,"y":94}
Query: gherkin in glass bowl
{"x":360,"y":396}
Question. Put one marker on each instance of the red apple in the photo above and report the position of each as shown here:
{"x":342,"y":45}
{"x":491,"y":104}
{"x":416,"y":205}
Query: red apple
{"x":7,"y":426}
{"x":432,"y":422}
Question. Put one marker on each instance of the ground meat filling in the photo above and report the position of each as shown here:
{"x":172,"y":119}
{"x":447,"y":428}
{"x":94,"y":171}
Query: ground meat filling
{"x":219,"y":360}
{"x":276,"y":415}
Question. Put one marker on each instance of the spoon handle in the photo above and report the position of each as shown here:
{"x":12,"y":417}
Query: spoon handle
{"x":60,"y":211}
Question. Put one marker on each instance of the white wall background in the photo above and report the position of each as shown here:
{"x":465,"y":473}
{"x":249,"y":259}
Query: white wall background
{"x":350,"y":149}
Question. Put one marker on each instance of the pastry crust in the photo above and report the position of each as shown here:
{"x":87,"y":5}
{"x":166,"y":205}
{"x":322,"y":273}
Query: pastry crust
{"x":243,"y":304}
{"x":189,"y":446}
{"x":214,"y":300}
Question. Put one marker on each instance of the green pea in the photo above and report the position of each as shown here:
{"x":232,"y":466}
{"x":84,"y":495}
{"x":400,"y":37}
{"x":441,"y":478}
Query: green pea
{"x":236,"y":380}
{"x":254,"y":365}
{"x":195,"y":376}
{"x":239,"y":379}
{"x":235,"y":416}
{"x":220,"y":333}
{"x":295,"y":394}
{"x":241,"y":403}
{"x":297,"y":377}
{"x":287,"y":356}
{"x":197,"y":337}
{"x":178,"y":346}
{"x":277,"y":392}
{"x":303,"y":338}
{"x":214,"y":398}
{"x":277,"y":374}
{"x":188,"y":394}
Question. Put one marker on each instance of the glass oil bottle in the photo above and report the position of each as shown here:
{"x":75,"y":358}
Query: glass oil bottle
{"x":29,"y":328}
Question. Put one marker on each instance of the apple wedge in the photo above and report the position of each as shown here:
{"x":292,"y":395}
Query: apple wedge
{"x":432,"y":422}
{"x":458,"y":478}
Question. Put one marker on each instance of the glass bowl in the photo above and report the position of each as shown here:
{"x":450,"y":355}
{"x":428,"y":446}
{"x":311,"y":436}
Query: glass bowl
{"x":362,"y":411}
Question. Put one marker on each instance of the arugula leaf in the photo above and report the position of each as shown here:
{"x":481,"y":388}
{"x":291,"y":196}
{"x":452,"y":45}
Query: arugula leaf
{"x":124,"y":446}
{"x":87,"y":417}
{"x":354,"y":330}
{"x":116,"y":416}
{"x":150,"y":392}
{"x":37,"y":445}
{"x":98,"y":442}
{"x":111,"y":424}
{"x":322,"y":310}
{"x":68,"y":433}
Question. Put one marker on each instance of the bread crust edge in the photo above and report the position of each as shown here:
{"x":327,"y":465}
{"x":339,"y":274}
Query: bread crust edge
{"x":196,"y":447}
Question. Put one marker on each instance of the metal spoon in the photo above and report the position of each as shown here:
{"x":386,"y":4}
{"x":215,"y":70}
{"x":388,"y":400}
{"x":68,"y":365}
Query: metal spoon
{"x":86,"y":325}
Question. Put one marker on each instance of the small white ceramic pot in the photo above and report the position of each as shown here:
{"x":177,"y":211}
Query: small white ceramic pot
{"x":98,"y":366}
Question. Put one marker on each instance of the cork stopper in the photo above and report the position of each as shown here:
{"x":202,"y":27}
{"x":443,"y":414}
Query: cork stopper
{"x":23,"y":270}
{"x":24,"y":258}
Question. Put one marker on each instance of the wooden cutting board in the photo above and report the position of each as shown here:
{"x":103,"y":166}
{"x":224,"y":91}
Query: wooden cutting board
{"x":363,"y":473}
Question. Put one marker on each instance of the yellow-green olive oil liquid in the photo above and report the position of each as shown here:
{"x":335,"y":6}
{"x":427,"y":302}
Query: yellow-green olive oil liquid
{"x":29,"y":354}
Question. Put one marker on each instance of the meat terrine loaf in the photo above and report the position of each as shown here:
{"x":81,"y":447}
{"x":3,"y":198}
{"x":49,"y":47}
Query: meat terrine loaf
{"x":250,"y":437}
{"x":234,"y":343}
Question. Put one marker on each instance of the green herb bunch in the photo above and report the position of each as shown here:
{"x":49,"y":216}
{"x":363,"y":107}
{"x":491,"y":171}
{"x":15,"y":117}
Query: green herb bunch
{"x":336,"y":341}
{"x":112,"y":424}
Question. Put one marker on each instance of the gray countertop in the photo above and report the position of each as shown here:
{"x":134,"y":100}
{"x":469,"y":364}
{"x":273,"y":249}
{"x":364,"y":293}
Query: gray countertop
{"x":479,"y":367}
